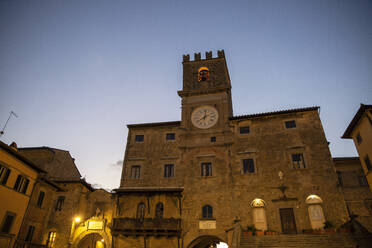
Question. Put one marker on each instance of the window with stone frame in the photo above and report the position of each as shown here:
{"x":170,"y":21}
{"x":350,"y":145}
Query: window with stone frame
{"x":169,"y":170}
{"x":135,"y":172}
{"x":51,"y":239}
{"x":4,"y":174}
{"x":206,"y":169}
{"x":248,"y":166}
{"x":40,"y":199}
{"x":367,"y":162}
{"x":60,"y":202}
{"x":21,"y":184}
{"x":298,"y":161}
{"x":7,"y":222}
{"x":207,"y":212}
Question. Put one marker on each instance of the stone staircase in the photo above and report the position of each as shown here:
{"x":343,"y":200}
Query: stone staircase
{"x":299,"y":241}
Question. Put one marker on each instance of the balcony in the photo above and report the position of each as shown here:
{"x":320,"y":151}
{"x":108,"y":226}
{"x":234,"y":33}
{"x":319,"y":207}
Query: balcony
{"x":146,"y":227}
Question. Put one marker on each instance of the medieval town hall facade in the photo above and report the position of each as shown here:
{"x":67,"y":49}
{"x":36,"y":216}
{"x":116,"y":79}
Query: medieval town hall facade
{"x":184,"y":183}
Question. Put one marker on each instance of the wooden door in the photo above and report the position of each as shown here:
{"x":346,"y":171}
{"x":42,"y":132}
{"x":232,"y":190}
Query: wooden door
{"x":288,"y":220}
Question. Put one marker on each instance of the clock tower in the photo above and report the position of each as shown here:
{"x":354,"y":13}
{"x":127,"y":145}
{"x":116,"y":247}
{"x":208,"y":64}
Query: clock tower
{"x":206,"y":93}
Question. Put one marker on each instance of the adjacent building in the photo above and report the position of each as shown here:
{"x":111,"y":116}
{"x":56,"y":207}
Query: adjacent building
{"x":360,"y":130}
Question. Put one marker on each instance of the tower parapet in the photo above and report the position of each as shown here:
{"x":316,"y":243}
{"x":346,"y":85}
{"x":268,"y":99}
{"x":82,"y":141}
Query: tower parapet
{"x":208,"y":55}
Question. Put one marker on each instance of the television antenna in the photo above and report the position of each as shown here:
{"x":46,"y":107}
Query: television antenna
{"x":6,"y":123}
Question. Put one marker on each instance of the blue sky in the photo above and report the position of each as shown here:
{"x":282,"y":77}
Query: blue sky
{"x":76,"y":72}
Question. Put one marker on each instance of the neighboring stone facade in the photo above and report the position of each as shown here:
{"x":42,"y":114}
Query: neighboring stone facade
{"x":355,"y":188}
{"x":272,"y":170}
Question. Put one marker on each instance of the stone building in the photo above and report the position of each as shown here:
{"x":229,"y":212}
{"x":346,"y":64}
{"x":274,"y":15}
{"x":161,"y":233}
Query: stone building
{"x":66,"y":212}
{"x":360,"y":131}
{"x":184,"y":183}
{"x":354,"y":185}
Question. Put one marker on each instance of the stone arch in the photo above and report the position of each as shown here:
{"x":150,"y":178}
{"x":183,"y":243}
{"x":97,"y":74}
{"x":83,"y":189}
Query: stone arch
{"x":205,"y":241}
{"x":259,"y":214}
{"x":101,"y":233}
{"x":315,"y":210}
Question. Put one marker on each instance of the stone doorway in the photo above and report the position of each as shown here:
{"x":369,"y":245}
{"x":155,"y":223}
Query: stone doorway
{"x":93,"y":240}
{"x":207,"y":241}
{"x":288,"y":220}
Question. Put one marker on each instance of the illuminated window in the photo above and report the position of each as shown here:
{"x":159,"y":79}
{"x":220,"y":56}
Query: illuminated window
{"x":7,"y":222}
{"x":203,"y":74}
{"x":4,"y":174}
{"x":290,"y":124}
{"x":135,"y":172}
{"x":207,"y":212}
{"x":60,"y":201}
{"x":169,"y":170}
{"x":40,"y":199}
{"x":51,"y":239}
{"x":21,"y":184}
{"x":206,"y":169}
{"x":248,"y":166}
{"x":298,"y":161}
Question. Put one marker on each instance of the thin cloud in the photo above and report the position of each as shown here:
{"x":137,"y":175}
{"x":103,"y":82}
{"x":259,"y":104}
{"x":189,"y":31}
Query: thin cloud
{"x":118,"y":163}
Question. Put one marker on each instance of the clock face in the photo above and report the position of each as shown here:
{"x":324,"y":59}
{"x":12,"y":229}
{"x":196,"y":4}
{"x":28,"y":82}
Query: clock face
{"x":204,"y":117}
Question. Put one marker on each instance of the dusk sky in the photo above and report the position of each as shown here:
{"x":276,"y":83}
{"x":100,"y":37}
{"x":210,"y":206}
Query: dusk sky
{"x":76,"y":72}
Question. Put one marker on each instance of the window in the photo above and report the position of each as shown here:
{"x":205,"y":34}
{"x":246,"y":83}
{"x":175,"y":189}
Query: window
{"x":248,"y":166}
{"x":40,"y":199}
{"x":207,"y":212}
{"x":206,"y":169}
{"x":60,"y":201}
{"x":170,"y":136}
{"x":159,"y":210}
{"x":7,"y":222}
{"x":203,"y":74}
{"x":362,"y":179}
{"x":169,"y":170}
{"x":30,"y":233}
{"x":4,"y":174}
{"x":298,"y":161}
{"x":290,"y":124}
{"x":213,"y":139}
{"x":339,"y":177}
{"x":141,"y":211}
{"x":368,"y":163}
{"x":51,"y":239}
{"x":359,"y":138}
{"x":135,"y":172}
{"x":21,"y":184}
{"x":140,"y":138}
{"x":244,"y":130}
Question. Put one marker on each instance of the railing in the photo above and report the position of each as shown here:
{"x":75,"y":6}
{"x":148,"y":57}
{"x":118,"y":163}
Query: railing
{"x":147,"y":226}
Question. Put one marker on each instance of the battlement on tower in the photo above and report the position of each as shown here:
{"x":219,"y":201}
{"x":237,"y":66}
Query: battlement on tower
{"x":208,"y":55}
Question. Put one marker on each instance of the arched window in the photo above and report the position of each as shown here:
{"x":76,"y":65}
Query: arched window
{"x":207,"y":212}
{"x":159,"y":210}
{"x":203,"y":74}
{"x":141,"y":211}
{"x":315,"y":211}
{"x":259,"y":214}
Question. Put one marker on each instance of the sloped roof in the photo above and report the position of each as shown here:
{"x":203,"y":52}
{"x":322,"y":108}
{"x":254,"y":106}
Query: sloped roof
{"x":58,"y":163}
{"x":287,"y":111}
{"x":355,"y":120}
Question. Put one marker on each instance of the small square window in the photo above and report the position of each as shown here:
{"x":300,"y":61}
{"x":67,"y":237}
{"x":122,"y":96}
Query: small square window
{"x":213,"y":139}
{"x":170,"y":136}
{"x":135,"y":172}
{"x":290,"y":124}
{"x":169,"y":170}
{"x":140,"y":138}
{"x":359,"y":139}
{"x":248,"y":166}
{"x":244,"y":130}
{"x":298,"y":161}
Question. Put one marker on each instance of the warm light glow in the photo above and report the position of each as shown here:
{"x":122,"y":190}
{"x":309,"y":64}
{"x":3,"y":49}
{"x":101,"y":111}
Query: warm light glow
{"x":102,"y":240}
{"x":77,"y":219}
{"x":313,"y":199}
{"x":257,"y":203}
{"x":222,"y":245}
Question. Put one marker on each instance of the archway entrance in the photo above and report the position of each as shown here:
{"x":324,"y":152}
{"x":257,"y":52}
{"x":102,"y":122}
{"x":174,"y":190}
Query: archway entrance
{"x":93,"y":240}
{"x":207,"y":241}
